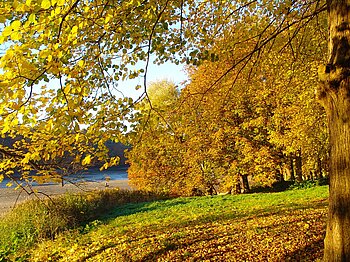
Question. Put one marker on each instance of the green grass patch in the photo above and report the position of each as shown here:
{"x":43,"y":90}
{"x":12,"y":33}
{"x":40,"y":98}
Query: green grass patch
{"x":286,"y":226}
{"x":41,"y":219}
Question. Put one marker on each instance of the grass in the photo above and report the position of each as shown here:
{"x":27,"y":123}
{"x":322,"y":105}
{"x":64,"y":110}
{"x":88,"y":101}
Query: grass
{"x":37,"y":220}
{"x":257,"y":227}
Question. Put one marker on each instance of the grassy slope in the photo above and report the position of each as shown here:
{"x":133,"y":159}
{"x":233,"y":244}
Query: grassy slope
{"x":257,"y":227}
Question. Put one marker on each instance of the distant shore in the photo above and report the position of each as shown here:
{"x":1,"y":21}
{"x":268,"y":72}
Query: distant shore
{"x":10,"y":197}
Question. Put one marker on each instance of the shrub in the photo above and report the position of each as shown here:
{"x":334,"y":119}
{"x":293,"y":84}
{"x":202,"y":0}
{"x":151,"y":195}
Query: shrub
{"x":310,"y":183}
{"x":275,"y":187}
{"x":45,"y":218}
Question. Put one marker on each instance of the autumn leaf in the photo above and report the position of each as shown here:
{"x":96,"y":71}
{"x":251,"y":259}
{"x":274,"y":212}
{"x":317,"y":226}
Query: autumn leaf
{"x":86,"y":160}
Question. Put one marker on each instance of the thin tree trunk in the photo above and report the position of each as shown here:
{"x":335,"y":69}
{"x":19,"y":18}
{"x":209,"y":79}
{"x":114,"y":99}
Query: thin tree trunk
{"x":245,"y":184}
{"x":236,"y":188}
{"x":287,"y":173}
{"x":318,"y":170}
{"x":298,"y":167}
{"x":335,"y":97}
{"x":280,"y":176}
{"x":292,"y":171}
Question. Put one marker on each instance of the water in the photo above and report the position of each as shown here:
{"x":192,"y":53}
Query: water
{"x":91,"y":175}
{"x":95,"y":175}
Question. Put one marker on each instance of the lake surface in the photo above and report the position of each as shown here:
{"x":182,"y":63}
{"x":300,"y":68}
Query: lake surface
{"x":91,"y":175}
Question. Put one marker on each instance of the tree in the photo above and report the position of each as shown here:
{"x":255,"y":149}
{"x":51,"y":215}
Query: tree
{"x":270,"y":103}
{"x":229,"y":133}
{"x":86,"y":45}
{"x":155,"y":155}
{"x":334,"y":94}
{"x":226,"y":128}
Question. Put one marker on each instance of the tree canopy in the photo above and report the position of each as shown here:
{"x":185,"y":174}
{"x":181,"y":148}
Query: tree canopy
{"x":62,"y":61}
{"x":249,"y":125}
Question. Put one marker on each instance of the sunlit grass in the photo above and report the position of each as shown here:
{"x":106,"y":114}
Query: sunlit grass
{"x":272,"y":226}
{"x":40,"y":219}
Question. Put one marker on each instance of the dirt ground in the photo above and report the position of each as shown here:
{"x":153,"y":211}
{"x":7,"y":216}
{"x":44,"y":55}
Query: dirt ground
{"x":9,"y":197}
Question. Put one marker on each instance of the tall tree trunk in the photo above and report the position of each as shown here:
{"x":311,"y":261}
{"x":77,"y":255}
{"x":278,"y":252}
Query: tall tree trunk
{"x":280,"y":176}
{"x":244,"y":184}
{"x":298,"y":167}
{"x":318,"y":170}
{"x":287,"y":173}
{"x":292,"y":171}
{"x":335,"y":97}
{"x":236,"y":188}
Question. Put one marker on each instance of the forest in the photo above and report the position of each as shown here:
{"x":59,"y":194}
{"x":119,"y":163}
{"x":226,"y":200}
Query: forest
{"x":259,"y":125}
{"x":264,"y":126}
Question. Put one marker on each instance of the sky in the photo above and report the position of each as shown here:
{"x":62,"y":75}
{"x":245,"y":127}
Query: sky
{"x":168,"y":71}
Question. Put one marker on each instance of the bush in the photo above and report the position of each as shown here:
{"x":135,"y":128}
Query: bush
{"x":37,"y":219}
{"x":310,"y":183}
{"x":275,"y":187}
{"x":291,"y":185}
{"x":303,"y":184}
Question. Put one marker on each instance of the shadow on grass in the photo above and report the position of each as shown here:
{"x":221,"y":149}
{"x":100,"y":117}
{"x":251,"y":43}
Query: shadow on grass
{"x":311,"y":252}
{"x":147,"y":206}
{"x":302,"y":245}
{"x":106,"y":206}
{"x":161,"y":205}
{"x":212,"y":245}
{"x":205,"y":224}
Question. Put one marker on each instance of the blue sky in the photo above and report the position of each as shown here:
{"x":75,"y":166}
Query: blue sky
{"x":167,"y":71}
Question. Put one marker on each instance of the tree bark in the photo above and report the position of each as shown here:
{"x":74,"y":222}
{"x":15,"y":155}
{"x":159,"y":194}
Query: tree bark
{"x":280,"y":176}
{"x":236,"y":189}
{"x":244,"y":184}
{"x":292,"y":171}
{"x":318,"y":171}
{"x":335,"y":97}
{"x":298,"y":167}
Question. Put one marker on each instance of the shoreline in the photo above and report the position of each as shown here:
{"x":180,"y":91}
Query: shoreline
{"x":9,"y":197}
